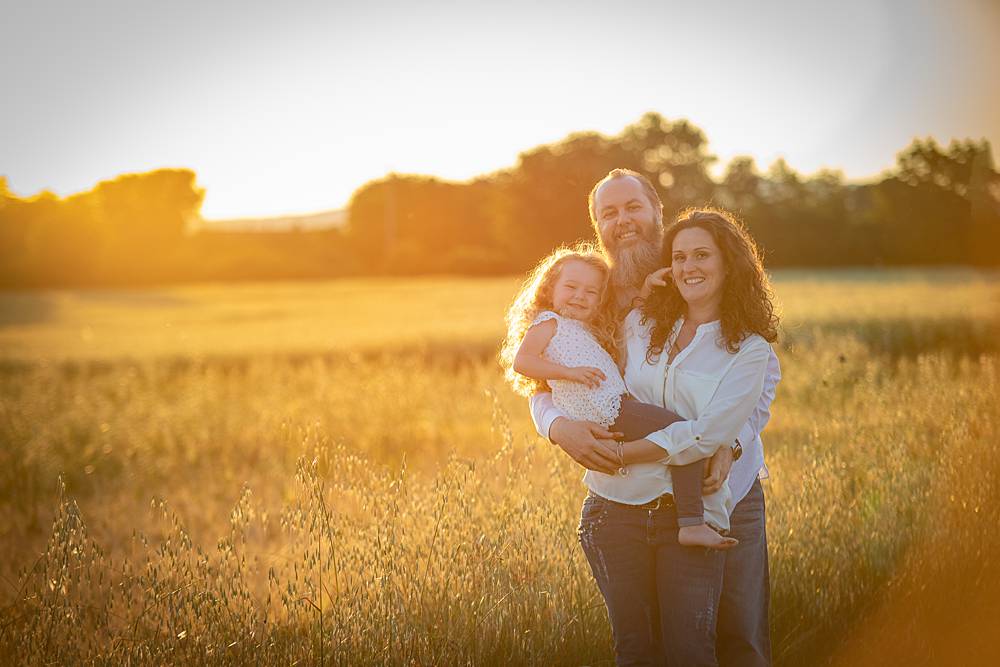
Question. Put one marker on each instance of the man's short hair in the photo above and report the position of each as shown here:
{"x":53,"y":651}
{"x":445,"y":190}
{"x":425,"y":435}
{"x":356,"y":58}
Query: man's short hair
{"x":647,"y":188}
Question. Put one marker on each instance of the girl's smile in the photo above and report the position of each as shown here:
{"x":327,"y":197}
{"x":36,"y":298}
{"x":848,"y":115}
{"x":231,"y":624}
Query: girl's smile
{"x":577,"y":291}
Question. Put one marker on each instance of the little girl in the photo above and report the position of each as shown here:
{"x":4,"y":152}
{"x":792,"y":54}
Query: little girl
{"x":559,"y":334}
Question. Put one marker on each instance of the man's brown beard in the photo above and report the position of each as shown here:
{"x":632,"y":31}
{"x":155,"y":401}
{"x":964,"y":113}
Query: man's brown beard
{"x":631,"y":265}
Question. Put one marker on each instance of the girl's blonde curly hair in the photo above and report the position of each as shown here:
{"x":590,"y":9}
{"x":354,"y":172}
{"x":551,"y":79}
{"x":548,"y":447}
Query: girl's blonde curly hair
{"x":535,"y":296}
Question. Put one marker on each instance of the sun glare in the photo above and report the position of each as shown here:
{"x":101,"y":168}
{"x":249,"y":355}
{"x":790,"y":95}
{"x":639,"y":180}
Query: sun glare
{"x":322,"y":104}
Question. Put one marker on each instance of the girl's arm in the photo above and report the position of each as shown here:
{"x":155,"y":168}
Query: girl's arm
{"x":529,"y":361}
{"x":655,"y":279}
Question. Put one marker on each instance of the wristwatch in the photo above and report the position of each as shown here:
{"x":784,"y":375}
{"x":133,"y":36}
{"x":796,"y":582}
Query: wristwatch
{"x":737,"y":450}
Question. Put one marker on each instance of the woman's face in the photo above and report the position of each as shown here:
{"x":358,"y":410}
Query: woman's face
{"x":697,"y":267}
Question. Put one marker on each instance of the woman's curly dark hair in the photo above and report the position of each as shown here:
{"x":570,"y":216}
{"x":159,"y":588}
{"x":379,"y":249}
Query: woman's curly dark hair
{"x":747,"y":299}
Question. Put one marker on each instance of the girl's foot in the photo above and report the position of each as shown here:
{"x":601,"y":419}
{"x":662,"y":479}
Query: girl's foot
{"x":703,"y":536}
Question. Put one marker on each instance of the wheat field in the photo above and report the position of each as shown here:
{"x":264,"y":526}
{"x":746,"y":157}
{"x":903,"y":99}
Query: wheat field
{"x":334,"y":473}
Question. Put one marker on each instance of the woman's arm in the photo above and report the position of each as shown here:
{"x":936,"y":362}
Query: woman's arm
{"x":530,"y":362}
{"x":721,"y":420}
{"x":762,"y":411}
{"x":749,"y":434}
{"x":642,"y":451}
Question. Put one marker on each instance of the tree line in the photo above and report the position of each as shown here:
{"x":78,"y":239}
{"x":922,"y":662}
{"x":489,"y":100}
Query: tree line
{"x":938,"y":205}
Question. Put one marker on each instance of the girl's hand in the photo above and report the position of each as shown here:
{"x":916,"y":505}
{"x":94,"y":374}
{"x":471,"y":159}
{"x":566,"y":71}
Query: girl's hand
{"x":588,"y":375}
{"x":655,"y":279}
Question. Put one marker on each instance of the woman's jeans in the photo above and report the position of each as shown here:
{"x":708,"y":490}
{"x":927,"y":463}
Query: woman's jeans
{"x":666,"y":603}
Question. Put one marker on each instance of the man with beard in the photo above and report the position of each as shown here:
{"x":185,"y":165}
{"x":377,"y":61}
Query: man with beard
{"x":627,"y":215}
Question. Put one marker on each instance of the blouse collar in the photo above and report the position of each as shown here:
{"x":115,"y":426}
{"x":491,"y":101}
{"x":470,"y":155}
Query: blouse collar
{"x":714,"y":325}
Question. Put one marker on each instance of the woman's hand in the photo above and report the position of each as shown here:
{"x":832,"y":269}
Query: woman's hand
{"x":588,"y":375}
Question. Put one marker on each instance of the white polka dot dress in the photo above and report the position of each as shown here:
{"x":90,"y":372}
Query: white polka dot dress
{"x":574,"y":345}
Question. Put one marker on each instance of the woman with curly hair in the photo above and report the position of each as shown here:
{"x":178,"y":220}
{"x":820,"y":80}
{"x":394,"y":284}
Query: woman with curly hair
{"x":697,"y":345}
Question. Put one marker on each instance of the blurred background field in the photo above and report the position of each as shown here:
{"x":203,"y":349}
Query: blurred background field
{"x":334,"y":472}
{"x":199,"y":321}
{"x":250,"y":319}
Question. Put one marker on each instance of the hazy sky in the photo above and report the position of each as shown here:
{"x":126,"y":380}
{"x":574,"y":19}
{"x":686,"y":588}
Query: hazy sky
{"x":288,"y":107}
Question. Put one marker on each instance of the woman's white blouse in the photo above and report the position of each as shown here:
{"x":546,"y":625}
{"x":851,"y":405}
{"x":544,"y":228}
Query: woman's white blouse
{"x":714,"y":391}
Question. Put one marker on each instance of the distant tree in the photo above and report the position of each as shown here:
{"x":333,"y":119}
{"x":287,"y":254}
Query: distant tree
{"x":984,"y":199}
{"x":544,"y":196}
{"x":674,"y":155}
{"x":129,"y":229}
{"x":739,"y":190}
{"x":777,"y":220}
{"x":145,"y":217}
{"x":936,"y":206}
{"x":924,"y":162}
{"x":798,"y":220}
{"x":47,"y":240}
{"x":414,"y":224}
{"x":924,"y":206}
{"x":964,"y":169}
{"x":828,"y":222}
{"x":13,"y":231}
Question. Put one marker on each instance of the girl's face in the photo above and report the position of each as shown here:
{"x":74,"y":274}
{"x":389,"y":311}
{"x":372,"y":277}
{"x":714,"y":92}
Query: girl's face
{"x":697,"y":267}
{"x":577,"y":290}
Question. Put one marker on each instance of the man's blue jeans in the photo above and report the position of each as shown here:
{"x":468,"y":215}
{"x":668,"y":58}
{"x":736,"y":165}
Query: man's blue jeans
{"x":744,"y":635}
{"x":675,"y":605}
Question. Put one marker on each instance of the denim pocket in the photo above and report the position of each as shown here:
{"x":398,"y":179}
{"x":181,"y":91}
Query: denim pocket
{"x":592,"y":515}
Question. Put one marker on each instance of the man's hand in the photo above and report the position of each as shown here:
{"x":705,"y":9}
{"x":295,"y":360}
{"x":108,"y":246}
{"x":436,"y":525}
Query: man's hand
{"x":587,"y":443}
{"x":717,"y":470}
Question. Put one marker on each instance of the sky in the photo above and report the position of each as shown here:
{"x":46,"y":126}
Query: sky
{"x":284,"y":108}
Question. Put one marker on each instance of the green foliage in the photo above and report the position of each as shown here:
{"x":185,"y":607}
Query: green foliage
{"x":937,"y":206}
{"x":413,"y":224}
{"x":674,"y":155}
{"x":127,"y":230}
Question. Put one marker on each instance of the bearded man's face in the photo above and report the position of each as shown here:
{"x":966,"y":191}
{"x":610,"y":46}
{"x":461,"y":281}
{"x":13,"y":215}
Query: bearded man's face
{"x":630,"y":230}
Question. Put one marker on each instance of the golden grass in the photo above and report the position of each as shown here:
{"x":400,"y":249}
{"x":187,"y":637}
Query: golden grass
{"x":381,"y":499}
{"x":350,"y":315}
{"x":252,"y":318}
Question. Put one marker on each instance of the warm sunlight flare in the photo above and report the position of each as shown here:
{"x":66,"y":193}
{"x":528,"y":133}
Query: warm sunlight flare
{"x":281,"y":111}
{"x":456,"y":333}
